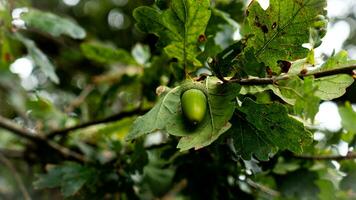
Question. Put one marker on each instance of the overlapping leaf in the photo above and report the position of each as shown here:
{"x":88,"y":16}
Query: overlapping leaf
{"x":249,"y":141}
{"x":167,"y":115}
{"x":156,"y":118}
{"x":294,"y":91}
{"x":71,"y":177}
{"x":300,"y":184}
{"x":332,"y":87}
{"x":254,"y":89}
{"x":308,"y":105}
{"x":178,"y":27}
{"x":279,"y":32}
{"x":348,"y":116}
{"x":269,"y":125}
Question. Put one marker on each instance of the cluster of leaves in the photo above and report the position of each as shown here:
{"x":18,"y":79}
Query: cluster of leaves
{"x":249,"y":141}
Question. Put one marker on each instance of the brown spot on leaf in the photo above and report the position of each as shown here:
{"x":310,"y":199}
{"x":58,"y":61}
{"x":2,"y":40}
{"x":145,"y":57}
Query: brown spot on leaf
{"x":264,"y":29}
{"x":269,"y":71}
{"x":202,"y":38}
{"x":258,"y":24}
{"x":303,"y":71}
{"x":284,"y":65}
{"x":7,"y":57}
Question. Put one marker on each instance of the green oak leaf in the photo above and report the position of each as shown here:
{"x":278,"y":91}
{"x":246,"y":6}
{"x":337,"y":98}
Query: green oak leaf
{"x":294,"y":91}
{"x":223,"y":63}
{"x":254,"y":89}
{"x":167,"y":115}
{"x":337,"y":61}
{"x":249,"y":141}
{"x":299,"y":185}
{"x":275,"y":126}
{"x":297,"y":66}
{"x":221,"y":105}
{"x":302,"y":92}
{"x":279,"y":32}
{"x":178,"y":27}
{"x":308,"y":105}
{"x":250,"y":64}
{"x":52,"y":24}
{"x":71,"y":177}
{"x":332,"y":87}
{"x":348,"y":116}
{"x":156,"y":118}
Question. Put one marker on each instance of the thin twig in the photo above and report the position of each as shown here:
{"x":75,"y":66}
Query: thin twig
{"x":105,"y":120}
{"x":273,"y":80}
{"x":16,"y":175}
{"x":39,"y":139}
{"x":254,"y":81}
{"x":80,"y":99}
{"x":263,"y":188}
{"x":349,"y":156}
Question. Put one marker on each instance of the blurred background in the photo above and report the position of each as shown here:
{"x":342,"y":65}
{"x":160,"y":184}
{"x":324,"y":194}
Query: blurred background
{"x":110,"y":22}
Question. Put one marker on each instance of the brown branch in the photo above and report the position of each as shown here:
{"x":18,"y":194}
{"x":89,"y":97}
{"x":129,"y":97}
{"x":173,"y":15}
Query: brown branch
{"x":331,"y":72}
{"x":19,"y":131}
{"x":349,"y":156}
{"x":91,"y":123}
{"x":65,"y":152}
{"x":39,"y":139}
{"x":13,"y":154}
{"x":273,"y":80}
